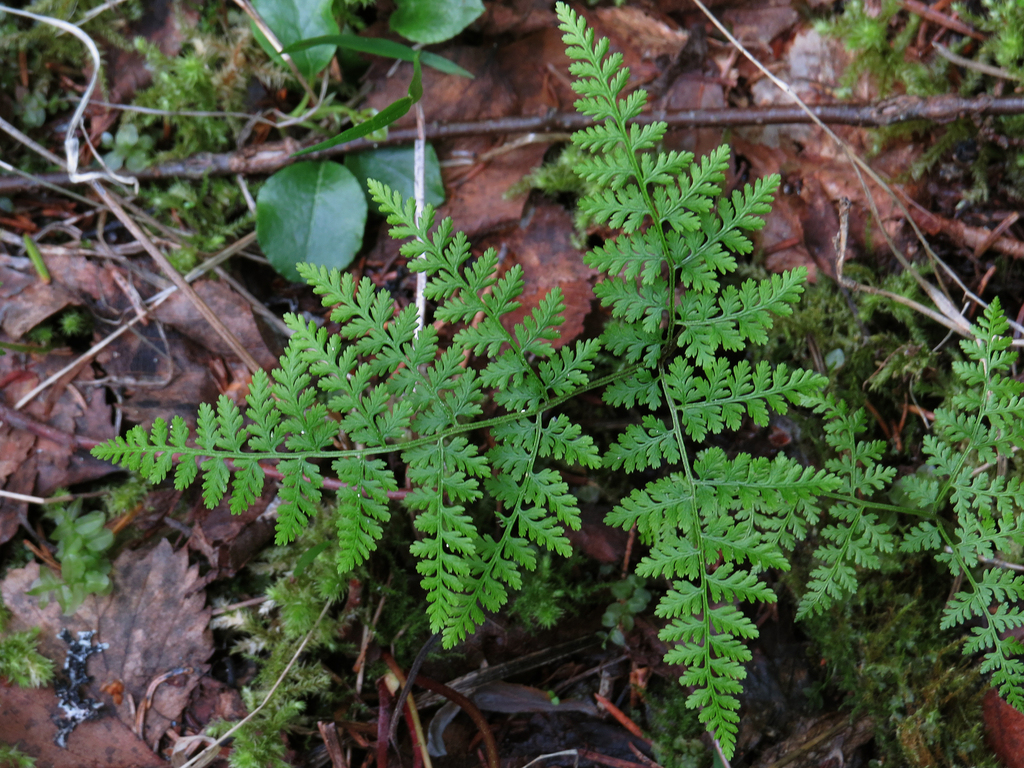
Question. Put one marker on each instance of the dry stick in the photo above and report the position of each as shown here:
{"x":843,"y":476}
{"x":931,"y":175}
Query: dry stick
{"x":246,"y":6}
{"x":272,"y":156}
{"x":35,"y":499}
{"x":412,"y":715}
{"x":936,"y":17}
{"x":414,"y":670}
{"x":175,"y":277}
{"x":977,"y":66}
{"x":152,"y":303}
{"x":210,"y":754}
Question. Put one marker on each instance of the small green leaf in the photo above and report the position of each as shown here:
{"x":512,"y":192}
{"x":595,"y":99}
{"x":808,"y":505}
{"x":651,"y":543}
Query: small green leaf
{"x":295,"y":20}
{"x":394,"y":167}
{"x":382,"y":119}
{"x":377,"y":46}
{"x":428,"y":21}
{"x":308,"y":557}
{"x":313,"y":212}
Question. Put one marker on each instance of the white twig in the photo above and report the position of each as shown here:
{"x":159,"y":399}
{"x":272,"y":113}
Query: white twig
{"x":563,"y":753}
{"x":70,"y":140}
{"x":152,"y":303}
{"x":35,"y":499}
{"x":419,"y":162}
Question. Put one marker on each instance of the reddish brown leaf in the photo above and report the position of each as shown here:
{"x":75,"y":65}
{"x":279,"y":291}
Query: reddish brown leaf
{"x":542,"y":246}
{"x":1004,"y":728}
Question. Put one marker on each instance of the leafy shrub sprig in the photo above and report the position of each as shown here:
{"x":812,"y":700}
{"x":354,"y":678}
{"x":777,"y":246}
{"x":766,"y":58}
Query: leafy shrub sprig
{"x":713,"y":522}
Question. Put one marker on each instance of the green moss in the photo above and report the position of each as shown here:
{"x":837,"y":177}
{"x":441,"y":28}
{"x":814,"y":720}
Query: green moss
{"x":552,"y":592}
{"x":883,"y":654}
{"x":12,"y":757}
{"x":20,"y":660}
{"x":674,"y":728}
{"x":213,"y":210}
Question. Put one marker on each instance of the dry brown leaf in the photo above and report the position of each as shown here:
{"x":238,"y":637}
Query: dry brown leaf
{"x":153,"y":621}
{"x":229,"y":541}
{"x":641,"y":33}
{"x":1004,"y":728}
{"x":26,"y":301}
{"x":234,"y":311}
{"x":758,"y":26}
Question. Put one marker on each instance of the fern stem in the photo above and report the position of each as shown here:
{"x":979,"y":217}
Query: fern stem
{"x":853,"y":500}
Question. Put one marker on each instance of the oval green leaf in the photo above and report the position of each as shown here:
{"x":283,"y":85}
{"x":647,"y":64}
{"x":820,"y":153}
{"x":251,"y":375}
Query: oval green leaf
{"x":295,"y":20}
{"x":394,"y":167}
{"x":311,"y":211}
{"x":431,"y":21}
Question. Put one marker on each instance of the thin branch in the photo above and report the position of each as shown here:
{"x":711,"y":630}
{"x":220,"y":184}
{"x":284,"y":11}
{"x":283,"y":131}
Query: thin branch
{"x":977,"y":66}
{"x":271,"y":156}
{"x":175,"y":277}
{"x":152,"y":303}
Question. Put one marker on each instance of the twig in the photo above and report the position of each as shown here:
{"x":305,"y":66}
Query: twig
{"x":209,"y":754}
{"x":936,"y":17}
{"x":623,"y":719}
{"x":153,"y":302}
{"x":70,"y":140}
{"x":329,"y":734}
{"x":272,"y":156}
{"x":995,"y":562}
{"x":35,"y":499}
{"x":541,"y":758}
{"x":175,"y":277}
{"x":268,"y":33}
{"x":413,"y":671}
{"x":467,"y":705}
{"x":29,"y":142}
{"x":243,"y":604}
{"x":977,"y":66}
{"x":412,"y":716}
{"x":140,"y":714}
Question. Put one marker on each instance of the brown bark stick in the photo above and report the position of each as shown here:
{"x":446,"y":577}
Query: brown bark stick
{"x":271,"y":156}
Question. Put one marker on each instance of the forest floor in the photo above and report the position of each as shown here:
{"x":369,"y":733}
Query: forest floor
{"x":195,"y":599}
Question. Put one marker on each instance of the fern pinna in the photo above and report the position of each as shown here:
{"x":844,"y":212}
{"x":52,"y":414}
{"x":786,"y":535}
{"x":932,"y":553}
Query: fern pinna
{"x":712,"y":522}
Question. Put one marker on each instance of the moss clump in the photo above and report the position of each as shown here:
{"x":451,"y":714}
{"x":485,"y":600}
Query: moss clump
{"x":884,"y":656}
{"x":20,"y":660}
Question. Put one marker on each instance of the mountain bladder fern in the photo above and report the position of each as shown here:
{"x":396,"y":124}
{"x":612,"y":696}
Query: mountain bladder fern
{"x":712,"y":522}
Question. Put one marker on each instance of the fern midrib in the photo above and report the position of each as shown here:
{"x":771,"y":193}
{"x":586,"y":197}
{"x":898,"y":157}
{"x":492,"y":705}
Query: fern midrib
{"x":512,"y":520}
{"x":988,"y":395}
{"x":652,"y":209}
{"x":196,"y":452}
